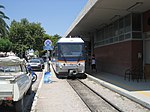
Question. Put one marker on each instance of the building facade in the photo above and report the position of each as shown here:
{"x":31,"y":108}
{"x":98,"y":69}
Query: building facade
{"x":118,"y":32}
{"x":119,"y":45}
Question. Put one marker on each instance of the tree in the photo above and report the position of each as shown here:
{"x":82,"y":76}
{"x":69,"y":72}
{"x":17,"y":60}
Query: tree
{"x":3,"y":26}
{"x":37,"y":33}
{"x":55,"y":38}
{"x":25,"y":35}
{"x":5,"y":45}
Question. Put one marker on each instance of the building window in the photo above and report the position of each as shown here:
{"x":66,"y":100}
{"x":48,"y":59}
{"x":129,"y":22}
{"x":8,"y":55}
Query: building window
{"x":136,"y":35}
{"x":100,"y":36}
{"x":127,"y":23}
{"x":116,"y":25}
{"x":121,"y":26}
{"x":128,"y":35}
{"x":111,"y":40}
{"x":96,"y":38}
{"x":125,"y":28}
{"x":110,"y":30}
{"x":121,"y":37}
{"x":106,"y":32}
{"x":136,"y":22}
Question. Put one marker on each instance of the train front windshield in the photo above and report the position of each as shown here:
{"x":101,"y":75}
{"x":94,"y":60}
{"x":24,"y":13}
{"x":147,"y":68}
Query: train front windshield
{"x":71,"y":50}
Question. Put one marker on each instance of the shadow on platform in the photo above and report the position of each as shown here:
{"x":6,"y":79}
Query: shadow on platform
{"x":120,"y":82}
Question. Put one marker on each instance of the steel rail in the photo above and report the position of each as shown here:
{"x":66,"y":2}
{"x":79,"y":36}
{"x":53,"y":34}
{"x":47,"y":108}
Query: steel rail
{"x":100,"y":96}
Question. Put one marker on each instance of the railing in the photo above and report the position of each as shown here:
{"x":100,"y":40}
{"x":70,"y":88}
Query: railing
{"x":135,"y":73}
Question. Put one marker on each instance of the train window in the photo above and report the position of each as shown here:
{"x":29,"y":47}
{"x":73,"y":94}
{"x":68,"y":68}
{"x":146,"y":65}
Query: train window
{"x":71,"y":50}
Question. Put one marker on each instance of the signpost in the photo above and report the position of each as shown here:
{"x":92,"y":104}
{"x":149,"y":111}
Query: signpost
{"x":48,"y":46}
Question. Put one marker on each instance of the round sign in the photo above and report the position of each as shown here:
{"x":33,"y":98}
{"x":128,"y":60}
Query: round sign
{"x":47,"y":42}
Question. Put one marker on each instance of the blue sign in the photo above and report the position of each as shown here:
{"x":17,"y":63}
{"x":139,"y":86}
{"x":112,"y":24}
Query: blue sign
{"x":47,"y":48}
{"x":48,"y":42}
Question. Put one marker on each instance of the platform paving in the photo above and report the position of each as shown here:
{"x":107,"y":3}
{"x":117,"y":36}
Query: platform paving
{"x":47,"y":94}
{"x":57,"y":96}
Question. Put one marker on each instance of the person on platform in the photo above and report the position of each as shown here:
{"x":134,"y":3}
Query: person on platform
{"x":93,"y":63}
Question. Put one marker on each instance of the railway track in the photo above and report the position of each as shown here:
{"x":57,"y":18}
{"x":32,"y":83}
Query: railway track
{"x":94,"y":101}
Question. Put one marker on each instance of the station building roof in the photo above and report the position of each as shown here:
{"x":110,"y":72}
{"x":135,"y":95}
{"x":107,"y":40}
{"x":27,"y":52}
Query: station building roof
{"x":98,"y":13}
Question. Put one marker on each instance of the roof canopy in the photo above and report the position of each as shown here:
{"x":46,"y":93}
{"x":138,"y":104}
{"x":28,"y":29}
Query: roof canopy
{"x":98,"y":13}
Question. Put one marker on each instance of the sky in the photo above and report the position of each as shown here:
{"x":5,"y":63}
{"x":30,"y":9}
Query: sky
{"x":55,"y":16}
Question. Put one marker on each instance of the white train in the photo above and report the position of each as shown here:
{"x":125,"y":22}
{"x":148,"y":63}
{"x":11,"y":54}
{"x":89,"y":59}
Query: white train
{"x":69,"y":57}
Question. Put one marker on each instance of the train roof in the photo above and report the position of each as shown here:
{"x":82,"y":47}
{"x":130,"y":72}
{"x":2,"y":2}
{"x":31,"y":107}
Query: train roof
{"x":70,"y":40}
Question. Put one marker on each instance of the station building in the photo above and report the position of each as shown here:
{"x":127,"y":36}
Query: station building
{"x":117,"y":32}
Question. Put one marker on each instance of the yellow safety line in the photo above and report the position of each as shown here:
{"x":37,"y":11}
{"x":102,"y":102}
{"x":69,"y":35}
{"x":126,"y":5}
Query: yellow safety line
{"x":144,"y":93}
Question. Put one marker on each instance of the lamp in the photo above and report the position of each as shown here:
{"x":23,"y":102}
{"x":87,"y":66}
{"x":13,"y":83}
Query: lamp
{"x":137,"y":4}
{"x":115,"y":17}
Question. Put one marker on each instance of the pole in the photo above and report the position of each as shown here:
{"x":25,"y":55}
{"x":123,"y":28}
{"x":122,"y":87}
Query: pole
{"x":48,"y":64}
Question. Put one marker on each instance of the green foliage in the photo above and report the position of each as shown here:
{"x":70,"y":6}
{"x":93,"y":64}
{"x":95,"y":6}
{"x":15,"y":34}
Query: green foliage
{"x":3,"y":26}
{"x":25,"y":35}
{"x":55,"y":38}
{"x":5,"y":45}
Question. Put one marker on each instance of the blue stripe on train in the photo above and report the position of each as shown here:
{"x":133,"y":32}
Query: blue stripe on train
{"x":70,"y":59}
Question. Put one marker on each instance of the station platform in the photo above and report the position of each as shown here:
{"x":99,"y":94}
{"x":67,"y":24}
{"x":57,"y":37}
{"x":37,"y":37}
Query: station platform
{"x":136,"y":91}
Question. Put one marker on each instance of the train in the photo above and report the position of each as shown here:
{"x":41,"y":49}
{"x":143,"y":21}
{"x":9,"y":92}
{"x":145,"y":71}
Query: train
{"x":68,"y":57}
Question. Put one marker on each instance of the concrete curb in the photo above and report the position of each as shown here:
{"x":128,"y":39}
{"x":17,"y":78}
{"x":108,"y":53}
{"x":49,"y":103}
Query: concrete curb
{"x":118,"y":90}
{"x":33,"y":109}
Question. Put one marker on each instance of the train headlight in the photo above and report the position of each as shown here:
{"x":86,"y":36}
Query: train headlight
{"x":61,"y":65}
{"x":80,"y":64}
